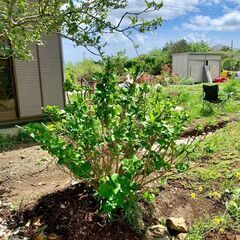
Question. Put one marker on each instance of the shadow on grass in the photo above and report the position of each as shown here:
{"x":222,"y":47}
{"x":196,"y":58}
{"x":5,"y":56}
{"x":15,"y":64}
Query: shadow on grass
{"x":10,"y":143}
{"x":207,"y":112}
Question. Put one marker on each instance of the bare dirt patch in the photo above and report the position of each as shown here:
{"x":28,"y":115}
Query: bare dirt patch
{"x":25,"y":175}
{"x":228,"y":235}
{"x":176,"y":201}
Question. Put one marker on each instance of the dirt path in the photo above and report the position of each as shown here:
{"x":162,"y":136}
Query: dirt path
{"x":25,"y":175}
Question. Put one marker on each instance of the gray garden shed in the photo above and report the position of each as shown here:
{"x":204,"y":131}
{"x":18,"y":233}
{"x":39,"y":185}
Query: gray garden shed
{"x":200,"y":67}
{"x":25,"y":87}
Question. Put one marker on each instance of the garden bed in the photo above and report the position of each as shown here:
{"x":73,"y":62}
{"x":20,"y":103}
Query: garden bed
{"x":73,"y":214}
{"x":39,"y":201}
{"x":200,"y":127}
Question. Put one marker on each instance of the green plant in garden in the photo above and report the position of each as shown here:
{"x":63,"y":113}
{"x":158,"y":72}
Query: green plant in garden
{"x":85,"y":69}
{"x":204,"y":227}
{"x":232,"y":89}
{"x":118,"y":143}
{"x":233,"y":207}
{"x":221,"y":223}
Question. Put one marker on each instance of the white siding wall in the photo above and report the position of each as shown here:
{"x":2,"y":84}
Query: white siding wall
{"x":51,"y":71}
{"x":191,"y":65}
{"x":215,"y":68}
{"x":28,"y":86}
{"x":174,"y":64}
{"x":197,"y":57}
{"x":213,"y":57}
{"x":185,"y":65}
{"x":196,"y":70}
{"x":40,"y":82}
{"x":180,"y":64}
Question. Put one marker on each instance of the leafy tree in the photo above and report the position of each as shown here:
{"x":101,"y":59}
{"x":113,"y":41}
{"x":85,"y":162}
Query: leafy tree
{"x":23,"y":22}
{"x":230,"y":59}
{"x":154,"y":61}
{"x":86,"y":69}
{"x":119,"y":63}
{"x":227,"y":63}
{"x":176,"y":47}
{"x":225,"y":49}
{"x":70,"y":72}
{"x":183,"y":46}
{"x":199,"y":47}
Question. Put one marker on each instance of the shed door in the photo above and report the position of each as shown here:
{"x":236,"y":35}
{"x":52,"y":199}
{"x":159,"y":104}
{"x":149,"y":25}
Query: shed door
{"x":214,"y":68}
{"x":196,"y":71}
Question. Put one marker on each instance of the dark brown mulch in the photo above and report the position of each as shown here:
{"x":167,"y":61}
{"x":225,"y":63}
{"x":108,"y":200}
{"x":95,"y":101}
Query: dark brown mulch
{"x":194,"y":131}
{"x":72,"y":214}
{"x":226,"y":235}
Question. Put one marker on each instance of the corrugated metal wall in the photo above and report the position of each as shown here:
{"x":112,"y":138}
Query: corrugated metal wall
{"x":40,"y":82}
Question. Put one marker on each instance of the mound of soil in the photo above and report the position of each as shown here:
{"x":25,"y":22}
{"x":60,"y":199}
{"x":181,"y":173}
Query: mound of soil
{"x":176,"y":201}
{"x":194,"y":131}
{"x":71,"y":214}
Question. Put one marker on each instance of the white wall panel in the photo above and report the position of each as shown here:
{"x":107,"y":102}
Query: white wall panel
{"x":28,"y":86}
{"x":51,"y":71}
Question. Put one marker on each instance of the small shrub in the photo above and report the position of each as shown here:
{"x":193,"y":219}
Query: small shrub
{"x":233,"y":207}
{"x":232,"y":89}
{"x":117,"y":143}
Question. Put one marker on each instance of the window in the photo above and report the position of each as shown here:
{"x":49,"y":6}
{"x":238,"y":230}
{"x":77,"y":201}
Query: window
{"x":7,"y":99}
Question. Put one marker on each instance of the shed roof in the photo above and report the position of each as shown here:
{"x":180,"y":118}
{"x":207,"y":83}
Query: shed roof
{"x":197,"y":53}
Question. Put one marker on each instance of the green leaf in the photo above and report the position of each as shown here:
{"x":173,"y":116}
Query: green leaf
{"x":181,"y":167}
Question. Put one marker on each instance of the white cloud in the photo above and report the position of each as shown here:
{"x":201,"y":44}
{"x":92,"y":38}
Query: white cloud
{"x":146,"y":42}
{"x":175,"y":8}
{"x":170,"y":10}
{"x":227,"y":23}
{"x":196,"y":37}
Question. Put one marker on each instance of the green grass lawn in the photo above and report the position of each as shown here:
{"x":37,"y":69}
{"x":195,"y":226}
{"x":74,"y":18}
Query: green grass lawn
{"x":217,"y":176}
{"x":191,"y":98}
{"x":219,"y":157}
{"x":216,"y":159}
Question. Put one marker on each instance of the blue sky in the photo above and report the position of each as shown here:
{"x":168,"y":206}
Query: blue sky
{"x":214,"y":21}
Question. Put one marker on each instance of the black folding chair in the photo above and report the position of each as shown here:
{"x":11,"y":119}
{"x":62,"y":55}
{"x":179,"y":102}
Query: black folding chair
{"x":211,"y":98}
